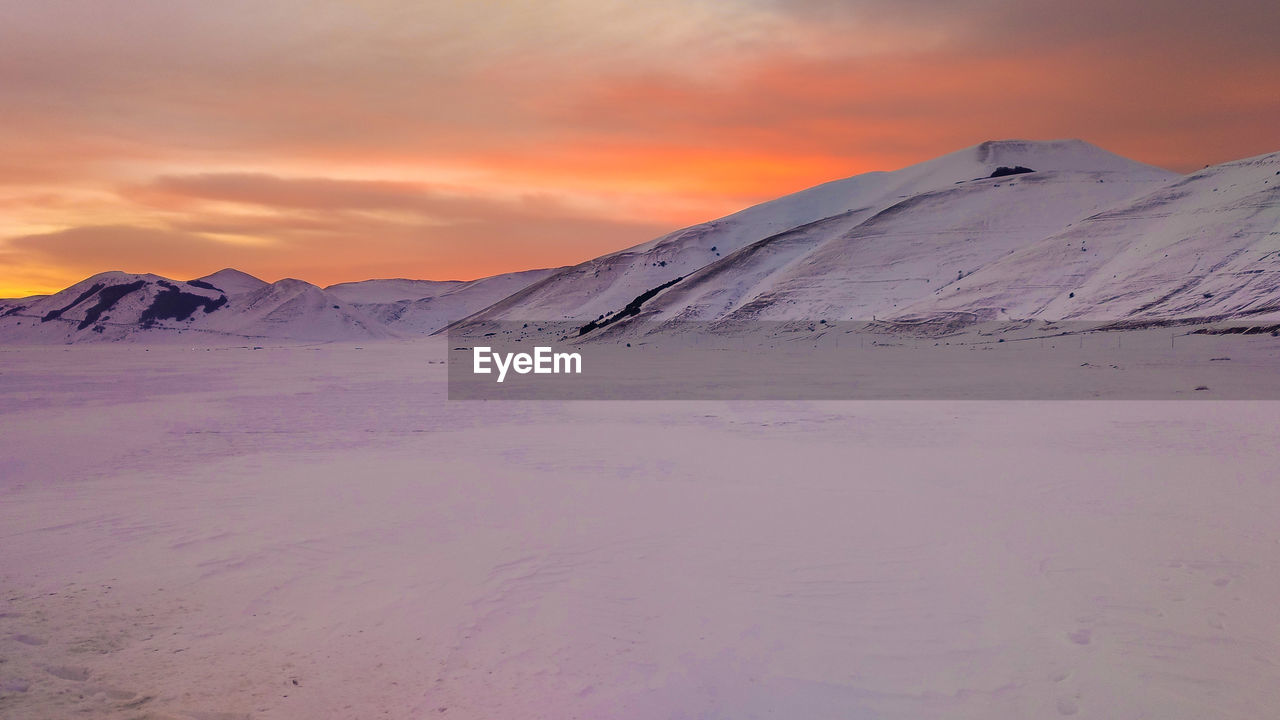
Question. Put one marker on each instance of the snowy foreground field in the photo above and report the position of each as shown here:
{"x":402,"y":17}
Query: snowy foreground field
{"x":316,"y":532}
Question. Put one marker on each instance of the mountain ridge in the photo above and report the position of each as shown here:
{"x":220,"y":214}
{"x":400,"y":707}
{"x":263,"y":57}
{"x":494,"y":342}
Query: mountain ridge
{"x":233,"y":306}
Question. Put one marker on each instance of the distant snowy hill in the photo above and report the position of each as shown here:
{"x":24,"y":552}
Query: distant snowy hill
{"x":424,"y":306}
{"x":297,"y":310}
{"x":429,"y":314}
{"x":109,"y":305}
{"x":117,"y":306}
{"x":233,"y":306}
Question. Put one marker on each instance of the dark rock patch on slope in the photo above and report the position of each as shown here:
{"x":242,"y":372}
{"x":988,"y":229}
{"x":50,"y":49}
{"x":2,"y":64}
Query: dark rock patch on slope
{"x":107,"y":298}
{"x":55,"y":314}
{"x":1004,"y":171}
{"x":632,"y":308}
{"x":172,"y":303}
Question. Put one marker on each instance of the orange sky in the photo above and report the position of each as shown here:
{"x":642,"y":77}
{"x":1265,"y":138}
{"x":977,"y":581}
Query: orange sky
{"x":342,"y":140}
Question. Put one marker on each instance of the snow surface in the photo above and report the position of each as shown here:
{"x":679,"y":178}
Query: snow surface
{"x":304,"y":532}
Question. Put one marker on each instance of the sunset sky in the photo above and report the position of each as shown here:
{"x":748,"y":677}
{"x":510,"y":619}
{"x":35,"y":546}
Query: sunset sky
{"x":336,"y":141}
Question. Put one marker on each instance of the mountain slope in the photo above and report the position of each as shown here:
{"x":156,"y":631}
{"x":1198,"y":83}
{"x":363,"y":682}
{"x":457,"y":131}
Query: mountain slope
{"x":1206,"y":246}
{"x":429,"y":314}
{"x":926,"y":241}
{"x":847,"y":248}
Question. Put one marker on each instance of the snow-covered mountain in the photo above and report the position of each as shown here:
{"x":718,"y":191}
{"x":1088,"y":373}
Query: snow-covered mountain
{"x":1204,"y":246}
{"x":427,"y":314}
{"x":821,"y":250}
{"x":117,"y":305}
{"x":921,"y":243}
{"x":233,"y":306}
{"x":297,"y":310}
{"x":1002,"y":230}
{"x":109,"y":305}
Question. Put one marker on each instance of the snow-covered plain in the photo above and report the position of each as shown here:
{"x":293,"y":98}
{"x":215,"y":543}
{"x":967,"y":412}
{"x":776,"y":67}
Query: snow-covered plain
{"x":316,"y":532}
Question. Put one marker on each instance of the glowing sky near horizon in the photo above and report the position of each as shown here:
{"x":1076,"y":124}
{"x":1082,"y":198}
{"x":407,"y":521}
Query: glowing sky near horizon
{"x":344,"y":140}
